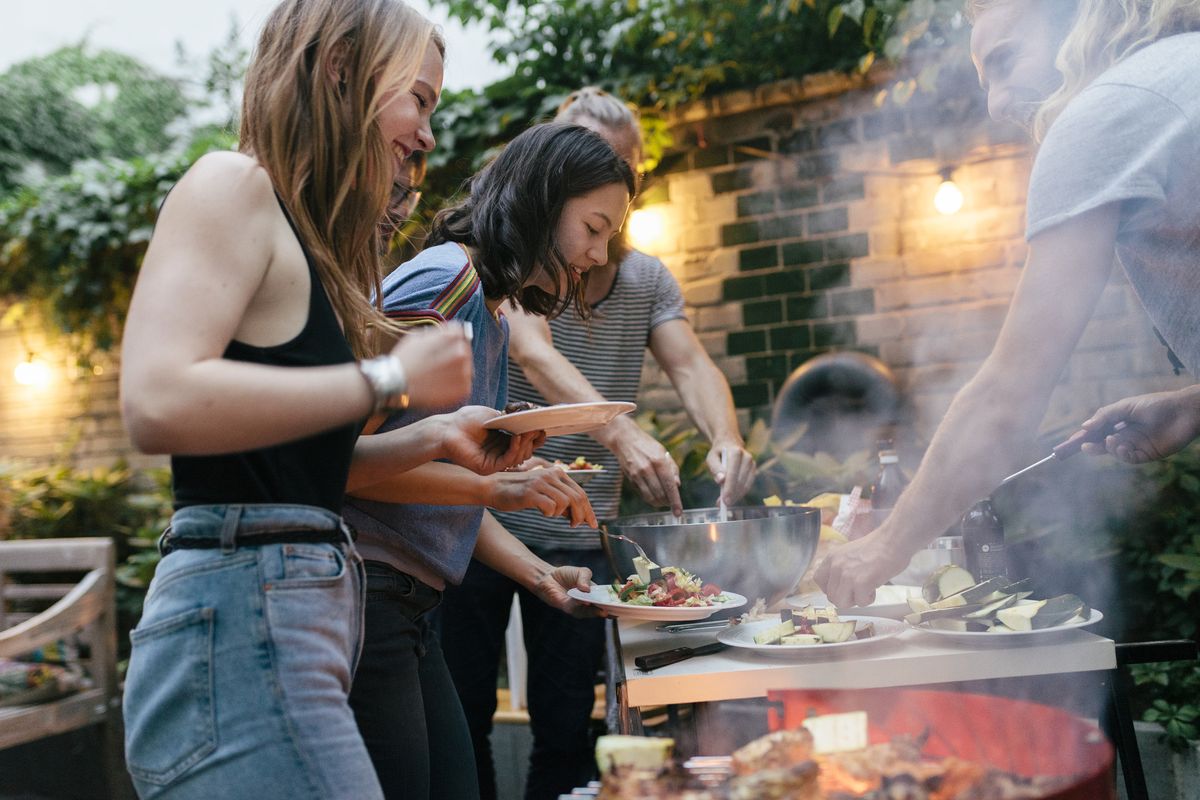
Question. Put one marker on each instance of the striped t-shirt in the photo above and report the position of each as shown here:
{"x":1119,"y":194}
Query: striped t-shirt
{"x":609,"y":350}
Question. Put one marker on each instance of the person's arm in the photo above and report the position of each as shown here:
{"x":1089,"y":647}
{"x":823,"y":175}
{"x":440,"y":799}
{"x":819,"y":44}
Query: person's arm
{"x":550,"y":491}
{"x":979,"y":441}
{"x":458,"y":437}
{"x":503,"y":552}
{"x":706,"y":396}
{"x":646,"y":462}
{"x":1151,"y":426}
{"x":213,"y":245}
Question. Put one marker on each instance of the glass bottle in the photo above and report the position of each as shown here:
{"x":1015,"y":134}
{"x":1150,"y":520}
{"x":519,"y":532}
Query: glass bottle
{"x":889,"y":483}
{"x":983,"y":541}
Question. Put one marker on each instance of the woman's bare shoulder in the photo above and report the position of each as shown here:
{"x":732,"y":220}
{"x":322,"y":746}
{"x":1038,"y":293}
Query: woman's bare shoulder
{"x":225,"y":183}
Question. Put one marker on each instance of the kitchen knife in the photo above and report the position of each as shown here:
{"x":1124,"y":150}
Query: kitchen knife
{"x":1067,"y":449}
{"x":655,"y":660}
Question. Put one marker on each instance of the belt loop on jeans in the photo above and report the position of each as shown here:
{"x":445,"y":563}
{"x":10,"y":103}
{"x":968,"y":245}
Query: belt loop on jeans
{"x":163,"y":546}
{"x":233,"y":515}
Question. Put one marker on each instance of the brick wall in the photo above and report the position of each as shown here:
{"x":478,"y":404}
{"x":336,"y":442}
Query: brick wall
{"x":801,"y":221}
{"x":74,"y":419}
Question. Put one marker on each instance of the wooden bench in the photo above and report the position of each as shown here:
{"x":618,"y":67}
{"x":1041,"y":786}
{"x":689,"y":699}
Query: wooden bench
{"x":86,"y":611}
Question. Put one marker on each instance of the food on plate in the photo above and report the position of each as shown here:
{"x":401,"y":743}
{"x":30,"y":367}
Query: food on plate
{"x":997,"y":605}
{"x":945,"y":581}
{"x":579,"y":463}
{"x":813,"y":626}
{"x":786,"y":764}
{"x":520,"y":405}
{"x":642,"y":752}
{"x":675,"y":588}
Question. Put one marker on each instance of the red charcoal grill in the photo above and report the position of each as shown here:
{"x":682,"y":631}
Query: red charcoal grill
{"x":1013,"y":735}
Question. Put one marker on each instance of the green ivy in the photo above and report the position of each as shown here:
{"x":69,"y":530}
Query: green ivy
{"x":72,"y":246}
{"x":46,"y":121}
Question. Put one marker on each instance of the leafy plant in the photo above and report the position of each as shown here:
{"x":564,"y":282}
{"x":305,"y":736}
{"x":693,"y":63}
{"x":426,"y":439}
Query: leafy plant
{"x":781,"y":471}
{"x":75,"y":104}
{"x":1160,"y":579}
{"x":73,"y":245}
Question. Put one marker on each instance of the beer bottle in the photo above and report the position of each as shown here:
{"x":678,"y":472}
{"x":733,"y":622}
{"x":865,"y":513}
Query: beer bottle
{"x":983,"y":541}
{"x":889,"y":483}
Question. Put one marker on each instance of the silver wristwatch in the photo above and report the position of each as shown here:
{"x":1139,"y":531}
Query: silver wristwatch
{"x":385,"y":375}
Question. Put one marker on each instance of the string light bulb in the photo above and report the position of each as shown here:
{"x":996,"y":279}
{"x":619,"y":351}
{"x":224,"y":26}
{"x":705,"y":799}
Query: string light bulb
{"x":949,"y":198}
{"x":647,"y":229}
{"x":33,"y":372}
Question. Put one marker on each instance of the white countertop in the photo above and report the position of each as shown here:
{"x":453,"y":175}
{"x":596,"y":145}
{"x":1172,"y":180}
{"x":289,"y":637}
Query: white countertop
{"x":909,"y":659}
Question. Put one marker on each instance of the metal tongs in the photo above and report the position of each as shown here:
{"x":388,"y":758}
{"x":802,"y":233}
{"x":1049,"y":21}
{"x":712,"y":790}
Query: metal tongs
{"x":647,"y":564}
{"x":688,"y":627}
{"x":1067,"y":449}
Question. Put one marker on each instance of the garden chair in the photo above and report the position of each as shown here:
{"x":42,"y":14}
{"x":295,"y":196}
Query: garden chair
{"x":84,"y":611}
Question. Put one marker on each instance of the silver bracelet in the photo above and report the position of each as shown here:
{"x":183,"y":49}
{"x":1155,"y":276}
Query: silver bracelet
{"x":385,"y":376}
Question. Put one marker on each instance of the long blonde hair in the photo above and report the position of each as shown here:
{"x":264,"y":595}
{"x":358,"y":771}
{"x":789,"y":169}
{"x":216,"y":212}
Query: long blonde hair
{"x":1101,"y":33}
{"x":309,"y":116}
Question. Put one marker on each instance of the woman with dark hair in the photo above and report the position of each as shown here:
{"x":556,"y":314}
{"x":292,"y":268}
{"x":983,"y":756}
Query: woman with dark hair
{"x":536,"y":219}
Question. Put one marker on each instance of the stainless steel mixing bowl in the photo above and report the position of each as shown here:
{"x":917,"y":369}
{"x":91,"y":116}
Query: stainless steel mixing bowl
{"x":761,"y":551}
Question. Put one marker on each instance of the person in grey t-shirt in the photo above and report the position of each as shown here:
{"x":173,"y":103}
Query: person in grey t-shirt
{"x":1109,"y":90}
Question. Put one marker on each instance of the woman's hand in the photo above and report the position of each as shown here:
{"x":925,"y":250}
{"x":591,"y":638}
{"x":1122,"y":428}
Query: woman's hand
{"x":551,"y":588}
{"x":467,"y":443}
{"x":437,"y":365}
{"x":550,"y":490}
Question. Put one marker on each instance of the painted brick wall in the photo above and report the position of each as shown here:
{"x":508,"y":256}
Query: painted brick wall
{"x":801,"y":221}
{"x":74,"y":419}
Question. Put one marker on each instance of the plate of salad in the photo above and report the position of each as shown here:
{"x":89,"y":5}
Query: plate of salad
{"x":674,"y":595}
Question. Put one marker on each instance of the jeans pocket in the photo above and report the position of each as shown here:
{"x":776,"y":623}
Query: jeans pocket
{"x":169,"y":706}
{"x":306,"y":566}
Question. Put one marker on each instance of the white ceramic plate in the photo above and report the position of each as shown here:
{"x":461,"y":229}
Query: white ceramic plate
{"x":561,"y":419}
{"x":582,"y":476}
{"x":601,"y":597}
{"x":890,"y":601}
{"x":742,"y":636}
{"x":1002,"y":637}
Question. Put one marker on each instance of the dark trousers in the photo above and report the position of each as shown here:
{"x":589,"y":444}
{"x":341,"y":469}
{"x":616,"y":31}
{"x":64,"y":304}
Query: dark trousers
{"x":564,"y":655}
{"x":403,"y":698}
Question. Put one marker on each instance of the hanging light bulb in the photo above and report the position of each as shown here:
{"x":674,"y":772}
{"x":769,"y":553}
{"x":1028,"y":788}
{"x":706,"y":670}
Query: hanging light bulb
{"x":647,"y":229}
{"x":33,"y":372}
{"x":949,"y":198}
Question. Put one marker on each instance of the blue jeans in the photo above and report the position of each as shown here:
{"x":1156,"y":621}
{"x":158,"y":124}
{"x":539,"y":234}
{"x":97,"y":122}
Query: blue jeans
{"x":564,"y":654}
{"x":241,"y":667}
{"x":403,"y":698}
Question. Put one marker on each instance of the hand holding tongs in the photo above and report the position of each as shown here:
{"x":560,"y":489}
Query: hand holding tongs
{"x":1068,"y":448}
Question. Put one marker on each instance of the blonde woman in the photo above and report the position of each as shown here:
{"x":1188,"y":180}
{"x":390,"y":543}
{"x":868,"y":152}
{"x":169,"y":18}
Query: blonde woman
{"x":239,"y":360}
{"x":1109,"y":89}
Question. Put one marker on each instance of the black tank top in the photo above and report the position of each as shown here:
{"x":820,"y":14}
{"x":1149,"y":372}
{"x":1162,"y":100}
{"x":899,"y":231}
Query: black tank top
{"x":310,"y":471}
